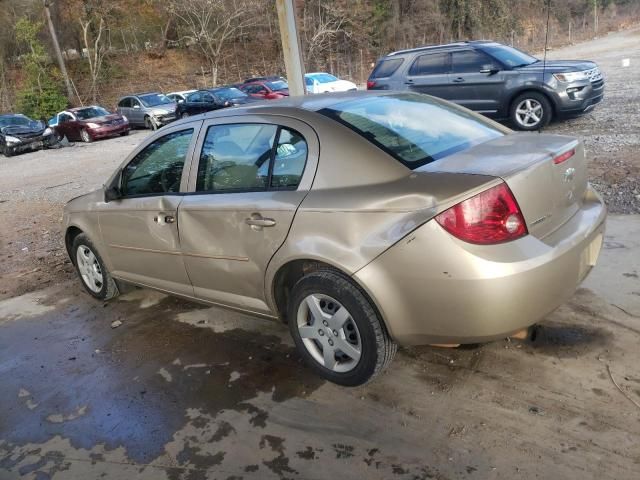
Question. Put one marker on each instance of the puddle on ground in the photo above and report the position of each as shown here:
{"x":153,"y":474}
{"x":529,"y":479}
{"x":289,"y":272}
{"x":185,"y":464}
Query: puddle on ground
{"x":67,"y":372}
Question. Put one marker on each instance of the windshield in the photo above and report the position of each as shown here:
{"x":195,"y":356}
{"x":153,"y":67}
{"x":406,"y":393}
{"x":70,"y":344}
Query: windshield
{"x":323,"y":77}
{"x":229,"y":93}
{"x":277,"y":85}
{"x":17,"y":120}
{"x":91,"y":112}
{"x":415,"y":129}
{"x":154,"y":99}
{"x":511,"y":57}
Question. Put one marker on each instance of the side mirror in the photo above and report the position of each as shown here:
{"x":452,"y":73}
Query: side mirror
{"x":227,"y":103}
{"x":112,"y":193}
{"x":136,"y":106}
{"x":491,"y":70}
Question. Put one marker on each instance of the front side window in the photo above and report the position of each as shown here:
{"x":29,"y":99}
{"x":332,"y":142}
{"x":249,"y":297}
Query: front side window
{"x":251,"y":157}
{"x":125,"y":103}
{"x":158,"y":168}
{"x":470,"y":61}
{"x":91,"y":112}
{"x":414,"y":129}
{"x":430,"y":64}
{"x":230,"y":93}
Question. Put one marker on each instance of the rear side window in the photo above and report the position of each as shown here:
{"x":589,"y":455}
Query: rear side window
{"x":470,"y":61}
{"x":414,"y":129}
{"x":430,"y":64}
{"x":251,"y":157}
{"x":385,"y":68}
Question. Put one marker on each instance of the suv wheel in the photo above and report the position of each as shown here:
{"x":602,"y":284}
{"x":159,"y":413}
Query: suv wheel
{"x":530,"y":111}
{"x":336,"y":329}
{"x":91,"y":269}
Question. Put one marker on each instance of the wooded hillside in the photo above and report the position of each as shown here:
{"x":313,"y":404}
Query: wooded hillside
{"x":113,"y":47}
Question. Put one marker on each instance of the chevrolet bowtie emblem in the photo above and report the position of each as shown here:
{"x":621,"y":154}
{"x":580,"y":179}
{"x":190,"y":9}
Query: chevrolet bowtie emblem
{"x":569,"y":174}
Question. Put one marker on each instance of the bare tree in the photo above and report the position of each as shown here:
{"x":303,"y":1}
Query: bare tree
{"x":321,"y":29}
{"x":211,"y":24}
{"x":95,"y":49}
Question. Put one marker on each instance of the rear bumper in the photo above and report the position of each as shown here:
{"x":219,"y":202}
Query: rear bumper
{"x":433,"y":288}
{"x":109,"y":131}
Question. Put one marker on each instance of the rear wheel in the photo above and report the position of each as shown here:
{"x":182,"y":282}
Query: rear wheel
{"x":125,"y":133}
{"x":93,"y":274}
{"x":530,"y":111}
{"x":85,"y":137}
{"x":337,"y":330}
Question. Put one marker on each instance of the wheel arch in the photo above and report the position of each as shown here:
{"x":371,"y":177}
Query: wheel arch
{"x":70,"y":235}
{"x":293,"y":270}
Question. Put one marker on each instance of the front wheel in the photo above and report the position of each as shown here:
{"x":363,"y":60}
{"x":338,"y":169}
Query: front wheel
{"x":150,"y":124}
{"x":85,"y":137}
{"x":8,"y":151}
{"x":93,"y":274}
{"x":337,"y":330}
{"x":530,"y":111}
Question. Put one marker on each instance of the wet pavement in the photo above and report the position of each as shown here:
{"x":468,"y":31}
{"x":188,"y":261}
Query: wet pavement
{"x":179,"y":391}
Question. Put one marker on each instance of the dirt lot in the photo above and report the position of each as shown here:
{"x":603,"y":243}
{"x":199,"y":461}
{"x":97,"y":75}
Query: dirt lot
{"x":184,"y":392}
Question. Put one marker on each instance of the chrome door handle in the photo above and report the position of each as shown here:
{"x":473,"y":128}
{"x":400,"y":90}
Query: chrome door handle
{"x":162,"y":219}
{"x":257,"y":221}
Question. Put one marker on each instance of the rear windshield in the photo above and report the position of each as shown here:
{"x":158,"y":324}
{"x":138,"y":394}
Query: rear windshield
{"x":415,"y":129}
{"x":386,"y":68}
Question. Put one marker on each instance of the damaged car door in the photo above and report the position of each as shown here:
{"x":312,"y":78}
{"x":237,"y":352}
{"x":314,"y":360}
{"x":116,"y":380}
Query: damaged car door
{"x":139,"y":225}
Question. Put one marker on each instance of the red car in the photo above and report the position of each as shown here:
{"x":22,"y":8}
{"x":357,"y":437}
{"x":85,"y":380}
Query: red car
{"x":266,"y":89}
{"x":89,"y":123}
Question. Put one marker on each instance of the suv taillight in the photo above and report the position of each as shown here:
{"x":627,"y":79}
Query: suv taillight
{"x":371,"y":84}
{"x":492,"y":216}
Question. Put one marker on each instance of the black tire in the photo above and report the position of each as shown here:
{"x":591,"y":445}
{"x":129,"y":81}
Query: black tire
{"x":8,"y":151}
{"x":109,"y":288}
{"x":377,"y":347}
{"x":125,"y":133}
{"x":149,"y":125}
{"x":545,"y":118}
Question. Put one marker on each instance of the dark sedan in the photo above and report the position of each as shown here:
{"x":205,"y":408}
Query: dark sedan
{"x":212,"y":99}
{"x":90,"y":123}
{"x":19,"y":133}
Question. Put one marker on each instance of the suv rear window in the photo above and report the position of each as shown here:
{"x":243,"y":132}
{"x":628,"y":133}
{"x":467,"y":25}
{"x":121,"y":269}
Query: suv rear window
{"x":414,"y":129}
{"x":386,"y":68}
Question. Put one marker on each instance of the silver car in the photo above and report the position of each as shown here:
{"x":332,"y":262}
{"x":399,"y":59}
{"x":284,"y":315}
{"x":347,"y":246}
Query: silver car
{"x":150,"y":110}
{"x":363,"y":220}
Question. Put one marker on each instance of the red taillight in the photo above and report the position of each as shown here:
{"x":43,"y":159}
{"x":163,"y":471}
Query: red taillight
{"x":370,"y":84}
{"x":492,"y":216}
{"x":563,"y":157}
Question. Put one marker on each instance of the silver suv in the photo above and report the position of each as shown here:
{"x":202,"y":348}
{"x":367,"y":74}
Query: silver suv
{"x":494,"y":79}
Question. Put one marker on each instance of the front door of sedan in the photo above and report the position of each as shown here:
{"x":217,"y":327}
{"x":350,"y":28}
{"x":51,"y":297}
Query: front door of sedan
{"x":209,"y":102}
{"x":429,"y":73}
{"x":136,"y":112}
{"x":477,"y":81}
{"x":140,"y":229}
{"x":252,"y":175}
{"x":68,"y":126}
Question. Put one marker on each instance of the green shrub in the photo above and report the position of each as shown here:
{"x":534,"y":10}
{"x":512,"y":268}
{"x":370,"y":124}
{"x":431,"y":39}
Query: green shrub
{"x":41,"y":104}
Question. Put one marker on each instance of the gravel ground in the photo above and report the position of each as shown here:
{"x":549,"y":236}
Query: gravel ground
{"x":611,"y":132}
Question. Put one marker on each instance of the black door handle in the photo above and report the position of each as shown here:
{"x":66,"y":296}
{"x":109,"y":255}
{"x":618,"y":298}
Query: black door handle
{"x":458,"y":80}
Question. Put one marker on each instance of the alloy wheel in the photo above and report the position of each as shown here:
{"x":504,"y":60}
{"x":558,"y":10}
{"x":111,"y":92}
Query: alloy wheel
{"x":89,"y":268}
{"x":529,"y":112}
{"x":84,"y":135}
{"x":329,"y":333}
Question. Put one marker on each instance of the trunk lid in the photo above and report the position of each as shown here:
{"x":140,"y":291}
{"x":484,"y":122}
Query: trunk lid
{"x":548,"y":194}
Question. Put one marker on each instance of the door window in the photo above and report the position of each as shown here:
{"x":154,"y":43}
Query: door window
{"x":125,"y":103}
{"x":158,"y":168}
{"x":236,"y":157}
{"x":194,"y":97}
{"x":207,"y":98}
{"x":470,"y":61}
{"x":430,"y":64}
{"x":64,"y":117}
{"x":134,"y":102}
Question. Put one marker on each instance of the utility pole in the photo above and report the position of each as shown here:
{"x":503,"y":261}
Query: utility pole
{"x":56,"y":47}
{"x":595,"y":17}
{"x":291,"y":46}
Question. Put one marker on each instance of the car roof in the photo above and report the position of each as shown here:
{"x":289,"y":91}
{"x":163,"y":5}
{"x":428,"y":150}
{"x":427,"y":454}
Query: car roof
{"x":288,"y":105}
{"x":77,"y":109}
{"x":446,"y":46}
